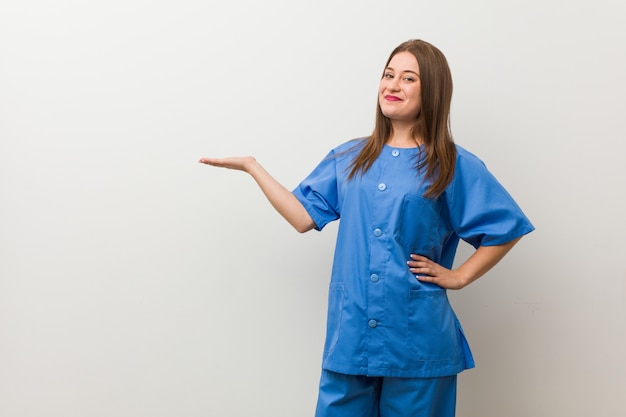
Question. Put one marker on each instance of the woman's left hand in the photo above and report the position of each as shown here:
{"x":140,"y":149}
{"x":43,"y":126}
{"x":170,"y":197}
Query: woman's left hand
{"x":481,"y":261}
{"x":428,"y":271}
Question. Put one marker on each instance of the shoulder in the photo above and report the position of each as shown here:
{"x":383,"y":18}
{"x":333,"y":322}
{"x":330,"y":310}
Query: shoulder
{"x":347,"y":150}
{"x":469,"y":171}
{"x":341,"y":155}
{"x":468,"y":163}
{"x":349,"y":147}
{"x":467,"y":159}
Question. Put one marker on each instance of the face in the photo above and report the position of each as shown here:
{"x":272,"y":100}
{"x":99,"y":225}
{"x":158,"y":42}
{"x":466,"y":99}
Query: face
{"x":399,"y":94}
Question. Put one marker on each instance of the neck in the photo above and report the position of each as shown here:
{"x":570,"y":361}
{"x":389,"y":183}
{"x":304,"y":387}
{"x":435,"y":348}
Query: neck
{"x":402,"y":137}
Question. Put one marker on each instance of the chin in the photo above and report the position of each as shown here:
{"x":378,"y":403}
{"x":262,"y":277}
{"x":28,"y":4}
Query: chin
{"x":389,"y":114}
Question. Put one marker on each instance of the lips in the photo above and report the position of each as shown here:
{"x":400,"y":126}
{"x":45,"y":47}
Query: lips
{"x":392,"y":98}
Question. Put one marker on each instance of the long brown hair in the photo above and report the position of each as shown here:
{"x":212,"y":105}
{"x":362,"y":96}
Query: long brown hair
{"x":432,"y":123}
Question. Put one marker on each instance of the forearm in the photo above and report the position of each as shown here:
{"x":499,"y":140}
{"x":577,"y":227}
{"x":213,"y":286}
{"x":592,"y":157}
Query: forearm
{"x":482,"y":260}
{"x":281,"y":198}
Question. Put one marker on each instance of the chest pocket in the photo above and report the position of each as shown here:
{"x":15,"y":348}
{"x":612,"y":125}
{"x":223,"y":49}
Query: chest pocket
{"x":420,"y":228}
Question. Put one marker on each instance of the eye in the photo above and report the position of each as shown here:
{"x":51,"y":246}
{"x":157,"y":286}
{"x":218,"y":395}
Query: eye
{"x":388,"y":75}
{"x":409,"y":79}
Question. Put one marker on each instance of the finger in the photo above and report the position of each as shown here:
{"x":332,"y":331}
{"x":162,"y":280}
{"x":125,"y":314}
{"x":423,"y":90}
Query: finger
{"x":418,"y":259}
{"x":421,"y":262}
{"x":422,"y":270}
{"x":425,"y":278}
{"x":212,"y":162}
{"x":414,"y":265}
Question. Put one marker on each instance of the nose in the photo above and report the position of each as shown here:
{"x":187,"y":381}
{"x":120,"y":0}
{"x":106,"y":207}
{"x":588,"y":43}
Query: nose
{"x":394,"y":84}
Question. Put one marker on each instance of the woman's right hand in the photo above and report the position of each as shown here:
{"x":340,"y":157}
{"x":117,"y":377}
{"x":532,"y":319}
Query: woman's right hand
{"x":281,"y":198}
{"x":240,"y":163}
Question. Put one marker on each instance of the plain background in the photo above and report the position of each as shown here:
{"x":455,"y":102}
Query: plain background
{"x":136,"y":282}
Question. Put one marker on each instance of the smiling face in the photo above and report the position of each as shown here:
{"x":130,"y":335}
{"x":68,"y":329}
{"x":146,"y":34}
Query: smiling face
{"x":399,"y":94}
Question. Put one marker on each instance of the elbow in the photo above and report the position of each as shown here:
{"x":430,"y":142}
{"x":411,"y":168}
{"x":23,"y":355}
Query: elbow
{"x":303,"y":226}
{"x":300,"y":220}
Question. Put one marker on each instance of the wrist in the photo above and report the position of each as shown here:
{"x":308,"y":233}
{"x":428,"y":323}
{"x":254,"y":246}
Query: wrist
{"x":463,"y":278}
{"x":251,"y":165}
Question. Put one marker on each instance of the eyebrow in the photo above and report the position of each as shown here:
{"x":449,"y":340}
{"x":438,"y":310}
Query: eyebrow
{"x":411,"y":71}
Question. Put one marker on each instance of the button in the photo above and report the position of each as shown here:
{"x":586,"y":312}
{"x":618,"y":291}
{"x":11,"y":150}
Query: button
{"x":382,"y":186}
{"x":395,"y":152}
{"x":372,"y":323}
{"x":374,"y":278}
{"x":377,"y":232}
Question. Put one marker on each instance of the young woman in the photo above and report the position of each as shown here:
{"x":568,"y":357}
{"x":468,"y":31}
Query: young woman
{"x":405,"y":196}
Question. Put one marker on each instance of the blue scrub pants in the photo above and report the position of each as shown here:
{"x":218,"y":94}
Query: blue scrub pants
{"x":363,"y":396}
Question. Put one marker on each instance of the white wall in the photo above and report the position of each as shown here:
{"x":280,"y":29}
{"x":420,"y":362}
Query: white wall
{"x":136,"y":282}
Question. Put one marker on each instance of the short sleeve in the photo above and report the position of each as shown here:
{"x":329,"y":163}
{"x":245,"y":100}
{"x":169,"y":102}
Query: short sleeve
{"x":318,"y":192}
{"x":481,"y":211}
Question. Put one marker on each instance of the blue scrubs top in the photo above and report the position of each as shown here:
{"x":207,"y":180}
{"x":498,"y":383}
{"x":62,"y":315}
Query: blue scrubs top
{"x":381,"y":320}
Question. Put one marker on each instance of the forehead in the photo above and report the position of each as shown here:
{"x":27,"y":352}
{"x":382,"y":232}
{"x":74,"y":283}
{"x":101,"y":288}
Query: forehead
{"x":404,"y":61}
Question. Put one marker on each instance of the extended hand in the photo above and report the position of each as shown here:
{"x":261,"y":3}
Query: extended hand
{"x":429,"y":271}
{"x":240,"y":163}
{"x":283,"y":200}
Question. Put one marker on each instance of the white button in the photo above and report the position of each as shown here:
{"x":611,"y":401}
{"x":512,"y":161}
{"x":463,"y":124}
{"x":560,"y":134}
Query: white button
{"x":372,"y":323}
{"x":377,"y":232}
{"x":374,"y":278}
{"x":395,"y":152}
{"x":382,"y":186}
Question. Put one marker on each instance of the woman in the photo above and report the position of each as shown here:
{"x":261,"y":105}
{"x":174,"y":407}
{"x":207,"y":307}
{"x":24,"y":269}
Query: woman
{"x":405,"y":196}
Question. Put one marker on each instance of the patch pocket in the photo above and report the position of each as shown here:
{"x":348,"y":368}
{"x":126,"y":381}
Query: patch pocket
{"x":419,"y":227}
{"x":432,"y":328}
{"x":333,"y":320}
